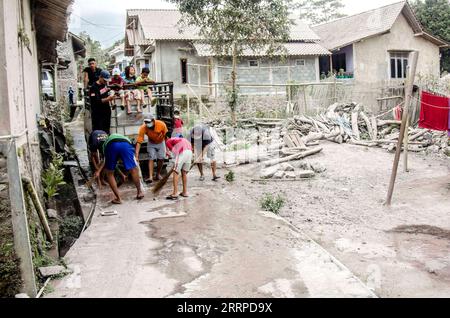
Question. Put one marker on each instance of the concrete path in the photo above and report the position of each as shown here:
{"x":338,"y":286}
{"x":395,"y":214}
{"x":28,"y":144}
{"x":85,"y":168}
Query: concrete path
{"x":214,"y":244}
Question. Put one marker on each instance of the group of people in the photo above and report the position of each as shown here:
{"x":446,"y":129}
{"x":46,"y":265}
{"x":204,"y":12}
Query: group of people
{"x":183,"y":151}
{"x":104,"y":88}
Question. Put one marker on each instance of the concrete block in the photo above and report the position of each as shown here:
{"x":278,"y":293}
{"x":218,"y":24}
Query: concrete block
{"x":290,"y":175}
{"x":22,"y":296}
{"x":279,"y":175}
{"x":52,"y":214}
{"x":286,"y":167}
{"x":52,"y":271}
{"x":306,"y":174}
{"x":269,"y":172}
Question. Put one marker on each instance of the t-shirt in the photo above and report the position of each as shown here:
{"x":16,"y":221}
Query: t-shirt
{"x":119,"y":81}
{"x":96,"y":94}
{"x":130,"y":80}
{"x":93,"y":75}
{"x":178,"y":145}
{"x":140,"y":79}
{"x":94,"y":142}
{"x":115,"y":138}
{"x":179,"y":123}
{"x":156,"y":135}
{"x":206,"y":135}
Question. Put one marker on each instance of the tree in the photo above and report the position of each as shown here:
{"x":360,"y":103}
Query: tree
{"x":94,"y":49}
{"x":320,"y":11}
{"x":232,"y":26}
{"x":435,"y":16}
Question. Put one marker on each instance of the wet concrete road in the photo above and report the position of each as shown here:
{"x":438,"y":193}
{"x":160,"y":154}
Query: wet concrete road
{"x":214,"y":244}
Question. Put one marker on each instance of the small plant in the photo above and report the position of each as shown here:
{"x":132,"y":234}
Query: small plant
{"x":271,"y":204}
{"x":230,"y":176}
{"x":53,"y":177}
{"x":70,"y":229}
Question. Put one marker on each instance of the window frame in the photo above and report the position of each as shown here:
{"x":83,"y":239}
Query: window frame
{"x":300,"y":60}
{"x":398,"y":63}
{"x":250,"y":63}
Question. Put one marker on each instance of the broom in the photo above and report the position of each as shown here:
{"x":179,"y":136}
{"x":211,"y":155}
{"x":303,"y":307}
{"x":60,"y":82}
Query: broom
{"x":161,"y":183}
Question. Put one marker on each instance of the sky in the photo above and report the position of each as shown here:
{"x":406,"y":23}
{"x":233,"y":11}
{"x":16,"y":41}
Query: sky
{"x":104,"y":20}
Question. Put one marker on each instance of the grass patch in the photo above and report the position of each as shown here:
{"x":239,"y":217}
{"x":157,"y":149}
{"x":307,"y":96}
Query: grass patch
{"x":272,"y":204}
{"x":70,"y":230}
{"x":230,"y":176}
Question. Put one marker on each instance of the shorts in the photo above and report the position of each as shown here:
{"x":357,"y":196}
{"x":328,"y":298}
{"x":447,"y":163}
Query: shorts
{"x":120,"y":150}
{"x":210,"y":153}
{"x":157,"y":151}
{"x":184,"y":162}
{"x":134,"y":94}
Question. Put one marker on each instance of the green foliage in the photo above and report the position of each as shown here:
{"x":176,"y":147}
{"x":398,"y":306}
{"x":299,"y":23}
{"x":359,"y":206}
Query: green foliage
{"x":94,"y":49}
{"x":230,"y":176}
{"x":53,"y":177}
{"x":11,"y":280}
{"x":271,"y":204}
{"x":435,"y":16}
{"x":70,"y":229}
{"x":320,"y":11}
{"x":232,"y":26}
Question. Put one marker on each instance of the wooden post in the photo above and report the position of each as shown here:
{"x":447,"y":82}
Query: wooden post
{"x":406,"y":143}
{"x":22,"y":244}
{"x":408,"y":94}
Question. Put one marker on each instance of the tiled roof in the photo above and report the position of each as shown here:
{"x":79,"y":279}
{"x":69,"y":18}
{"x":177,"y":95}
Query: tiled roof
{"x":351,"y":29}
{"x":293,"y":49}
{"x":163,"y":25}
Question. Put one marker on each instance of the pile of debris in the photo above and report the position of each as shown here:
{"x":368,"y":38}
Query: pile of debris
{"x":298,"y":170}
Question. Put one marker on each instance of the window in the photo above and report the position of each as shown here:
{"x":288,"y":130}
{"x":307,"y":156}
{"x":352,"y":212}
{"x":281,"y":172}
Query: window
{"x":399,"y":64}
{"x":300,"y":62}
{"x":253,"y":63}
{"x":44,"y":76}
{"x":339,"y":62}
{"x":184,"y":71}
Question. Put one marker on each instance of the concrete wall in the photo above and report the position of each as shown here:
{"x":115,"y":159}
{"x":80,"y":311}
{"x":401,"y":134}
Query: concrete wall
{"x":168,"y":56}
{"x":269,"y":72}
{"x":21,"y":98}
{"x":69,"y":76}
{"x":372,"y":59}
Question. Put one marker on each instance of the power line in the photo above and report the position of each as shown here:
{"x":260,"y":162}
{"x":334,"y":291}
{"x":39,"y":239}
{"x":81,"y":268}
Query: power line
{"x":105,"y":26}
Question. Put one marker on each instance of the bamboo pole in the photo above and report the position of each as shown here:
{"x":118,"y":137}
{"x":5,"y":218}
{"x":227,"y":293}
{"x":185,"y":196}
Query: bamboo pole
{"x":408,"y":94}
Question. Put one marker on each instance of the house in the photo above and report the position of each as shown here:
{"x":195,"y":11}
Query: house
{"x":153,"y":39}
{"x":70,"y":53}
{"x":118,"y":58}
{"x":373,"y":47}
{"x":29,"y":31}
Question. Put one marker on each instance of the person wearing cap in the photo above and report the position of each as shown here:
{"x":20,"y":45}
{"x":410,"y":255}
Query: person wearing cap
{"x":181,"y":151}
{"x":156,"y":131}
{"x":178,"y":125}
{"x":116,"y":85}
{"x":100,"y":98}
{"x":203,"y":143}
{"x":113,"y":148}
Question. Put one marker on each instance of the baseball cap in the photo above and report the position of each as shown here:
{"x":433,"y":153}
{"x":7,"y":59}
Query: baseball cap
{"x":148,"y":118}
{"x":98,"y":137}
{"x":105,"y":75}
{"x":116,"y":71}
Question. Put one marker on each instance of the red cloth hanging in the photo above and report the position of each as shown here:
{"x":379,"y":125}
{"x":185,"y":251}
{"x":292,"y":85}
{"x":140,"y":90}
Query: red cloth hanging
{"x":434,"y":112}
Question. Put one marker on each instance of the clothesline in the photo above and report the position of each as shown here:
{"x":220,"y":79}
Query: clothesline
{"x":429,"y":105}
{"x":390,"y":110}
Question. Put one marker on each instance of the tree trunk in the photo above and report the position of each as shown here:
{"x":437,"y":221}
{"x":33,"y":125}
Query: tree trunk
{"x":233,"y":86}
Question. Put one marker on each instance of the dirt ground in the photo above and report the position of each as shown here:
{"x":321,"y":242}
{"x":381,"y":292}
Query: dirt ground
{"x":402,"y":251}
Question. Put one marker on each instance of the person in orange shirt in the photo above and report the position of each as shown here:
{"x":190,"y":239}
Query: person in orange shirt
{"x":156,"y":132}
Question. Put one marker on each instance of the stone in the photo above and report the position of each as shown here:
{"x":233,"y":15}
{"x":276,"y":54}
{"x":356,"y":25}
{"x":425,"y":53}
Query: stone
{"x":52,"y":271}
{"x":22,"y":296}
{"x":2,"y":187}
{"x":286,"y":167}
{"x":89,"y":197}
{"x":269,"y":172}
{"x":279,"y":175}
{"x":2,"y":163}
{"x":290,"y":175}
{"x":4,"y":178}
{"x":433,"y":149}
{"x":318,"y":168}
{"x":306,"y":174}
{"x":52,"y":214}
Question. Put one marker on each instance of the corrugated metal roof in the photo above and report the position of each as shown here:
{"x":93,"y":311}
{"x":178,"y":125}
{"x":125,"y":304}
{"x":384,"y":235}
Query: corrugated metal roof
{"x":163,"y":25}
{"x":293,"y":49}
{"x":345,"y":31}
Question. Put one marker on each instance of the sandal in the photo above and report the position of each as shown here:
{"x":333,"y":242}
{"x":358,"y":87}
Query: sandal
{"x":184,"y":196}
{"x":149,"y":181}
{"x":172,"y":198}
{"x":215,"y":178}
{"x":116,"y":202}
{"x":140,"y":197}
